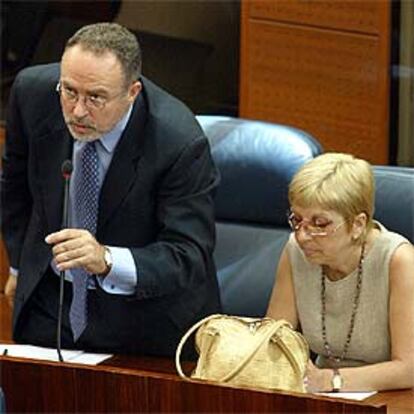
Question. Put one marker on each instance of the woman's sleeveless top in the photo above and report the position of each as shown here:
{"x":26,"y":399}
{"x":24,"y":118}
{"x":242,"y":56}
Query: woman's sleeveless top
{"x":370,"y":341}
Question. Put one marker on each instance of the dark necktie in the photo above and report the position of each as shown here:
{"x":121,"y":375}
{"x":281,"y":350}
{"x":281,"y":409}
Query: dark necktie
{"x":86,"y":210}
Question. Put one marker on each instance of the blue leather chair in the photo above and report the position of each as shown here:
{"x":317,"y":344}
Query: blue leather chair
{"x":257,"y":161}
{"x":394,"y":199}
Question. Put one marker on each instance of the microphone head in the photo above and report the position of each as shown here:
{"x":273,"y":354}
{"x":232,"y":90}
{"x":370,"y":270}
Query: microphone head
{"x":67,"y":168}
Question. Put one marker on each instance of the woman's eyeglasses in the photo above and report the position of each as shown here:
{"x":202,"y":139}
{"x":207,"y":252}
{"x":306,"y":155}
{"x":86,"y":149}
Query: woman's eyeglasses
{"x":311,"y":228}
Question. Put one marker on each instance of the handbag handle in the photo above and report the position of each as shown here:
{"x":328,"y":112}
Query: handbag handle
{"x":276,"y":326}
{"x":255,"y":348}
{"x":279,"y":342}
{"x":184,"y":340}
{"x":290,"y":356}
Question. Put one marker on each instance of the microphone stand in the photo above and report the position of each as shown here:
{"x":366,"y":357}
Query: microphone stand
{"x":59,"y":327}
{"x":66,"y":172}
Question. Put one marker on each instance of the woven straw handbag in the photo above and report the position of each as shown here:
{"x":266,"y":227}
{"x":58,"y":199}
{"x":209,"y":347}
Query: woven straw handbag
{"x":248,"y":352}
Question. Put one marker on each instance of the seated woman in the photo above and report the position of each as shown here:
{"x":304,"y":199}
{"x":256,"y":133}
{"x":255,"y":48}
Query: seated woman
{"x":346,"y":280}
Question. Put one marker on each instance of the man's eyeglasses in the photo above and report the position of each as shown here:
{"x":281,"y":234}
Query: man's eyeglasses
{"x":310,"y":228}
{"x":91,"y":102}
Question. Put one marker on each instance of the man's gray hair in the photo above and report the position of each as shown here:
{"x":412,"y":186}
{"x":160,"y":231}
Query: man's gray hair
{"x":111,"y":37}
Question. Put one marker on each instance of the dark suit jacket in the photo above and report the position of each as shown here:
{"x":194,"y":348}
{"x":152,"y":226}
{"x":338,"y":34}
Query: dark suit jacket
{"x":156,"y":200}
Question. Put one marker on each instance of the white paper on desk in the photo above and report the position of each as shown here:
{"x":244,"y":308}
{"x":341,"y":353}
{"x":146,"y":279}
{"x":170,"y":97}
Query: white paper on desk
{"x":50,"y":354}
{"x":357,"y":396}
{"x":90,"y":359}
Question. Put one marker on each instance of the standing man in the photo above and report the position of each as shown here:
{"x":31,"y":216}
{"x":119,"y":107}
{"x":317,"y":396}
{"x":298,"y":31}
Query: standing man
{"x":138,"y":248}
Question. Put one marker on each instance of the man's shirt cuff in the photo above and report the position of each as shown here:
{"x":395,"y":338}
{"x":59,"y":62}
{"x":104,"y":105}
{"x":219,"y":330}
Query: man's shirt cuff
{"x":13,"y":271}
{"x":122,"y":278}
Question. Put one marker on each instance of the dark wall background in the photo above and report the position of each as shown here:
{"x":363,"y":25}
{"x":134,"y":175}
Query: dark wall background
{"x":191,"y":48}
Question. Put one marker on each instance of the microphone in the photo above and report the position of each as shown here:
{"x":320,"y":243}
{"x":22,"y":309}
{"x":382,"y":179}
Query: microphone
{"x":66,"y":169}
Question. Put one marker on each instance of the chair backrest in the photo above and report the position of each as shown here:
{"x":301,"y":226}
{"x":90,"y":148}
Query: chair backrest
{"x":256,"y":161}
{"x":394,"y":199}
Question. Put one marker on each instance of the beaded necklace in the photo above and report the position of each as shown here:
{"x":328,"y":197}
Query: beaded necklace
{"x":355,"y":304}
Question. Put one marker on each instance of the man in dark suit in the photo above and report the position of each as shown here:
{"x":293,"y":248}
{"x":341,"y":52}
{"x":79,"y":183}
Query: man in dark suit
{"x":147,"y":263}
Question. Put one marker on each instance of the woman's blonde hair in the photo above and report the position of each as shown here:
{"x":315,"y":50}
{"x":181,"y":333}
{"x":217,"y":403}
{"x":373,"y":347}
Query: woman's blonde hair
{"x":338,"y":182}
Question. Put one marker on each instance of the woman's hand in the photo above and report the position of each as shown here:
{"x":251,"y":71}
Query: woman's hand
{"x":317,"y":380}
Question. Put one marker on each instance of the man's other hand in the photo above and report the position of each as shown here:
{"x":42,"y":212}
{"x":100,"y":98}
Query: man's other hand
{"x":10,"y":289}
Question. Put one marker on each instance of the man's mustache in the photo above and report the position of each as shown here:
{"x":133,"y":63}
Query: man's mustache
{"x":81,"y":124}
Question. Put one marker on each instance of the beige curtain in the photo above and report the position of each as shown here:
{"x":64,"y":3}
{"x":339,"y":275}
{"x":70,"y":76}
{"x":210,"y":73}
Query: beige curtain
{"x":406,"y":89}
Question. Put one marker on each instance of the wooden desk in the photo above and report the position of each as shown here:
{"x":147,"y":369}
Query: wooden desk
{"x":138,"y":384}
{"x":5,"y":319}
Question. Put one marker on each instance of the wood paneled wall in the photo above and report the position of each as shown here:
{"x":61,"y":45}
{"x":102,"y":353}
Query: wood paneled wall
{"x":321,"y":66}
{"x":4,"y":263}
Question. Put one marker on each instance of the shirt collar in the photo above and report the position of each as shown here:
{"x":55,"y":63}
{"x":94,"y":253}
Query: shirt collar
{"x":111,"y":138}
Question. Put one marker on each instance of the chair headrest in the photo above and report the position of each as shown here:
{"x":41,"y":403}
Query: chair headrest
{"x":256,"y":161}
{"x":394,"y":199}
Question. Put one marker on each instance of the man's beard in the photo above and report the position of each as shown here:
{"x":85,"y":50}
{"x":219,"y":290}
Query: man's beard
{"x":90,"y":132}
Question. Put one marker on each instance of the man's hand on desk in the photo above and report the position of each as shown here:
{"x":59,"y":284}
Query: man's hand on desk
{"x":10,"y":289}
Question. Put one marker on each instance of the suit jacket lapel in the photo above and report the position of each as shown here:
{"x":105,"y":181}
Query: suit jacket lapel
{"x":51,"y":150}
{"x":122,"y":170}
